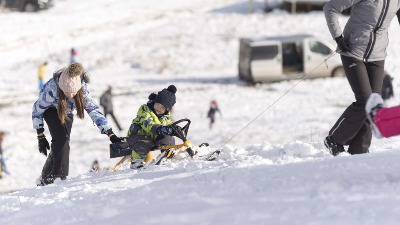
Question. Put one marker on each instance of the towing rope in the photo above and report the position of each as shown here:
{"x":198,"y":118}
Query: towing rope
{"x":278,"y":99}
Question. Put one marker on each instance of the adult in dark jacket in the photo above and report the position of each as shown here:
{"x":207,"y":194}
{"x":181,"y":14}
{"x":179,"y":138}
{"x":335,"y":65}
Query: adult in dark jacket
{"x":387,"y":87}
{"x":362,"y":46}
{"x":107,"y":103}
{"x":212,"y":111}
{"x":60,"y":96}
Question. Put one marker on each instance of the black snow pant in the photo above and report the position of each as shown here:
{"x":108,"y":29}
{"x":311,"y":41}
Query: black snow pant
{"x":114,"y":118}
{"x":57,"y":163}
{"x":143,"y":144}
{"x":352,"y":128}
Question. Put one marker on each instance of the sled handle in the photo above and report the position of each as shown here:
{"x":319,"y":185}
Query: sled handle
{"x":183,"y":133}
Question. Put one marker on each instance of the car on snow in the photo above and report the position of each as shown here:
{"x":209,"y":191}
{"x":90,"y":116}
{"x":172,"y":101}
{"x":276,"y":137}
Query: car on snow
{"x":271,"y":59}
{"x":26,"y":5}
{"x":300,"y":6}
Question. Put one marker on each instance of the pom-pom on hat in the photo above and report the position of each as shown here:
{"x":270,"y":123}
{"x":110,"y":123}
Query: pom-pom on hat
{"x":166,"y":97}
{"x":70,"y":79}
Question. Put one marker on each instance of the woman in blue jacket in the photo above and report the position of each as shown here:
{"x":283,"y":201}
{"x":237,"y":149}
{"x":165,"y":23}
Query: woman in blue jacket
{"x":65,"y":92}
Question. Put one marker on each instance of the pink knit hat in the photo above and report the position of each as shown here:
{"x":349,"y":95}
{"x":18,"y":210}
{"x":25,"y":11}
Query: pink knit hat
{"x":69,"y":83}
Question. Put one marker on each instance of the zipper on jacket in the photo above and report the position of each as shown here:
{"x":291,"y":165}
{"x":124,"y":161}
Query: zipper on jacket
{"x":372,"y":38}
{"x":371,"y":43}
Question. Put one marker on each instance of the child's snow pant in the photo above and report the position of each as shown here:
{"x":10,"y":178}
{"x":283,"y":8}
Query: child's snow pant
{"x":57,"y":163}
{"x":143,"y":144}
{"x":352,"y":128}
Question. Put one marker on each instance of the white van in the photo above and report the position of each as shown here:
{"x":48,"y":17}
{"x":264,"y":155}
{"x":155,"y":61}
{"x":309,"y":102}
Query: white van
{"x":272,"y":59}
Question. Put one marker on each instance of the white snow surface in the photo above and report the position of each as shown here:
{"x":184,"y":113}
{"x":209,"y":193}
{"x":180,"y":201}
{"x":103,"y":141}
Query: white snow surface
{"x":273,"y":168}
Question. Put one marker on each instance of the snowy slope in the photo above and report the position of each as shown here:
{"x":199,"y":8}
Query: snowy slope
{"x":272,"y":171}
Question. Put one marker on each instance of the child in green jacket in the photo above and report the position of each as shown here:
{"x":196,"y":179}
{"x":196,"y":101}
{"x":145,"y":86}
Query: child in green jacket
{"x":151,"y":127}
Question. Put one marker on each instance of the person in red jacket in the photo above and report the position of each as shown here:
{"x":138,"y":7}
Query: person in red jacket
{"x":212,"y":111}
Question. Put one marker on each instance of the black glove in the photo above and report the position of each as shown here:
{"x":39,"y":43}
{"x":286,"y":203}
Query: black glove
{"x":343,"y":46}
{"x":164,"y":130}
{"x":113,"y":137}
{"x":43,"y":144}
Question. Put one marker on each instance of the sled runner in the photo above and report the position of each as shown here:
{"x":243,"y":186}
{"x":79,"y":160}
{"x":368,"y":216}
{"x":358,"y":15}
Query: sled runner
{"x":213,"y":156}
{"x":385,"y":122}
{"x":166,"y":151}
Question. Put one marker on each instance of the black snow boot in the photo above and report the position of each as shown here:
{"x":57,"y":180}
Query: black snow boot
{"x":333,"y":147}
{"x":48,"y":180}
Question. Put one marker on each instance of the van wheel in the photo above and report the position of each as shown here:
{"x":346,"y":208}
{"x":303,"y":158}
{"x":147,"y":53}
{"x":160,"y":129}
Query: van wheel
{"x":338,"y":72}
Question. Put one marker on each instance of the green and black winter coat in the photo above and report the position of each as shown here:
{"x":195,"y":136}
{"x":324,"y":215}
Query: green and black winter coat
{"x":147,"y":121}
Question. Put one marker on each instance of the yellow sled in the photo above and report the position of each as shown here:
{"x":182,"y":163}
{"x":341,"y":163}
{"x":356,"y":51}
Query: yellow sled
{"x":167,"y":151}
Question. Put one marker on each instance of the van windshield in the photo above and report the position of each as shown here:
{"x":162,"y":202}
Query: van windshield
{"x":318,"y":47}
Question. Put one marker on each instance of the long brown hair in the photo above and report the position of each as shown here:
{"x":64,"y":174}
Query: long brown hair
{"x":62,"y":105}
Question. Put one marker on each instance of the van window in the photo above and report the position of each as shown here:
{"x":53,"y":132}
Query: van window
{"x":318,"y":47}
{"x":292,"y":57}
{"x":264,"y":52}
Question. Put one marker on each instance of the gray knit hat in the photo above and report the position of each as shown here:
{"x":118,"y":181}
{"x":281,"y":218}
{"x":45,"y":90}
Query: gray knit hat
{"x":166,"y":97}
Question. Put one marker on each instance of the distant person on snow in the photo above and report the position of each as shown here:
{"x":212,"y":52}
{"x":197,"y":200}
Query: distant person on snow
{"x":60,"y":96}
{"x":362,"y":46}
{"x":42,"y":74}
{"x":95,"y":166}
{"x":73,"y":56}
{"x":212,"y":111}
{"x":2,"y":161}
{"x":387,"y":87}
{"x":151,"y":127}
{"x":107,"y":103}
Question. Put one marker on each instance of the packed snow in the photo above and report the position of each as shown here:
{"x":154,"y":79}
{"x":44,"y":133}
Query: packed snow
{"x":273,"y":167}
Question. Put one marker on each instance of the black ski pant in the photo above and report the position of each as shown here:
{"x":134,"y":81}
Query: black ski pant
{"x":114,"y":118}
{"x":143,"y":144}
{"x":57,"y":163}
{"x":352,"y":128}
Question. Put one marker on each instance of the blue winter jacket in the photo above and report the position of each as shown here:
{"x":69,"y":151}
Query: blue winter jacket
{"x":48,"y":98}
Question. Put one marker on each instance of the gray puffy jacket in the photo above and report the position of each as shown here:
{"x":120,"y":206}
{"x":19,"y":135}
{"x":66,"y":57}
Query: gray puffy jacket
{"x":366,"y":31}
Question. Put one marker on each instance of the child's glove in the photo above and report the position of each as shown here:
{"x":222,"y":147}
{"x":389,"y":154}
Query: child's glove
{"x":164,"y":130}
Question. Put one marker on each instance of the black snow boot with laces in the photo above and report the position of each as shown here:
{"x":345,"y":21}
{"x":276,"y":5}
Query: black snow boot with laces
{"x":333,"y":147}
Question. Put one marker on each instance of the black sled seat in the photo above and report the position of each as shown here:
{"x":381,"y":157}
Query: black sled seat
{"x":120,"y":149}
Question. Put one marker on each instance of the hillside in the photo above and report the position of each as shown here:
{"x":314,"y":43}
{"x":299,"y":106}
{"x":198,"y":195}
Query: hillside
{"x":274,"y":170}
